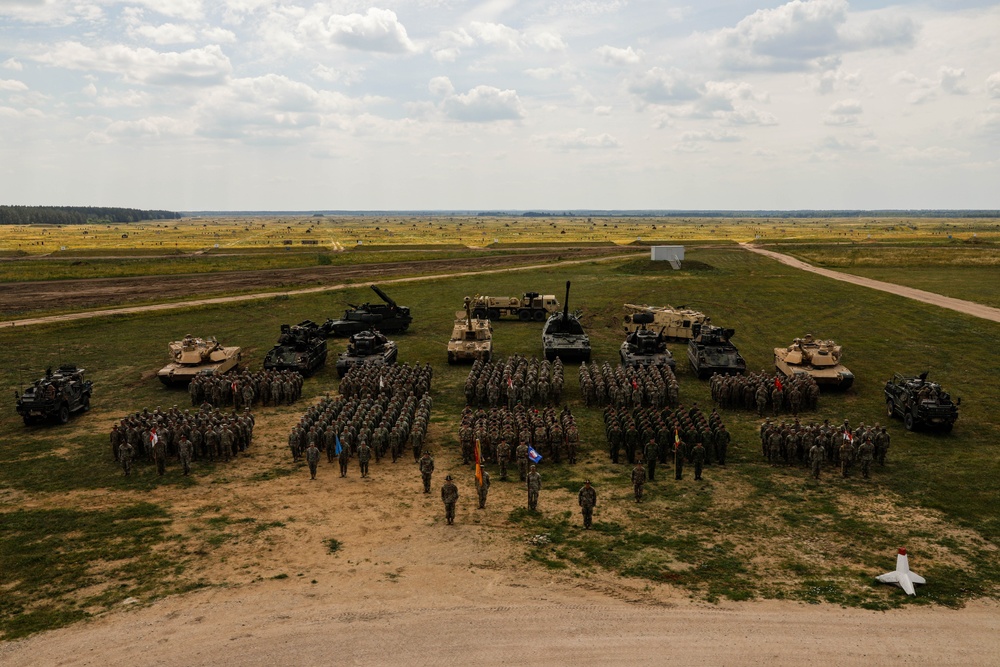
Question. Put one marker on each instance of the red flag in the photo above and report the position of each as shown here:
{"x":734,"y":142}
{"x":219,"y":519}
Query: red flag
{"x":479,"y":467}
{"x":777,"y":383}
{"x":510,"y":382}
{"x":234,"y":385}
{"x":677,"y":439}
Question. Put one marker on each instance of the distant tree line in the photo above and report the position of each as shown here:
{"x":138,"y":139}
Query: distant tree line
{"x":77,"y":215}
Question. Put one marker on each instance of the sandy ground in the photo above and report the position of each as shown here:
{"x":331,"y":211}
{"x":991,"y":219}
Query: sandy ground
{"x":960,"y":305}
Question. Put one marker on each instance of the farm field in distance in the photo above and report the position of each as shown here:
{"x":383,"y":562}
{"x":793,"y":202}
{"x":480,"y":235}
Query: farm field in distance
{"x":79,"y":539}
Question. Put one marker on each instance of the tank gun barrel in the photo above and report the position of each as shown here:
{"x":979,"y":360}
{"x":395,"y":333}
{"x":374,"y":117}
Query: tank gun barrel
{"x":566,"y":303}
{"x":384,"y":296}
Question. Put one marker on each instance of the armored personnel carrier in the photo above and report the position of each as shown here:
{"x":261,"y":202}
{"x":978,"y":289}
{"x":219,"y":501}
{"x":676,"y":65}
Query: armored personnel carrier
{"x":55,"y":396}
{"x":677,"y":324}
{"x":920,"y":403}
{"x":471,"y":338}
{"x":711,"y":351}
{"x":388,"y":317}
{"x":644,"y":347}
{"x":563,"y":335}
{"x":817,"y":358}
{"x":367,"y":346}
{"x":301,"y":347}
{"x":196,"y":356}
{"x":531,"y":306}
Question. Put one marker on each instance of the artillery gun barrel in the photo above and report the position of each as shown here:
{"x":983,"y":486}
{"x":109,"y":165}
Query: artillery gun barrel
{"x":566,"y":304}
{"x":384,"y":296}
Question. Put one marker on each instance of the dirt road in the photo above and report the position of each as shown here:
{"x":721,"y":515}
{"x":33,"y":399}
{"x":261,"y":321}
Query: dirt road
{"x":960,"y":305}
{"x":98,"y":292}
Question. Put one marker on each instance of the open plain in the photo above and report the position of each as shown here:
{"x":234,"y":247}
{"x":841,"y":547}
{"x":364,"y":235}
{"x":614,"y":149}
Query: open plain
{"x":755,"y":565}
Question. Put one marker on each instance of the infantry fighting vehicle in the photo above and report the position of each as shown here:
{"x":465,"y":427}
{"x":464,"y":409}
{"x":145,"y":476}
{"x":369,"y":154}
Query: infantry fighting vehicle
{"x":367,"y":346}
{"x":301,"y":347}
{"x":196,"y":356}
{"x":563,"y":335}
{"x":531,"y":306}
{"x":711,"y":351}
{"x":920,"y":403}
{"x":678,"y":324}
{"x":388,"y":317}
{"x":644,"y":347}
{"x":818,"y":358}
{"x":55,"y":396}
{"x":471,"y":339}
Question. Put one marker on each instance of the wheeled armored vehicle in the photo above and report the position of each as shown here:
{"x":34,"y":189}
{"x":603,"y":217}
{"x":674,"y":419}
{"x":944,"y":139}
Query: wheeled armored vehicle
{"x":920,"y":403}
{"x":55,"y":396}
{"x":198,"y":356}
{"x":644,"y":347}
{"x":819,"y":359}
{"x":370,"y":347}
{"x":711,"y":351}
{"x":532,"y":306}
{"x":388,"y":317}
{"x":564,"y":337}
{"x":301,"y":347}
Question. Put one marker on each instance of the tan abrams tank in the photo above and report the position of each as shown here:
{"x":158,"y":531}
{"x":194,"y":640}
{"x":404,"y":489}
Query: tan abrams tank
{"x":817,"y":358}
{"x":196,"y":356}
{"x":471,"y":338}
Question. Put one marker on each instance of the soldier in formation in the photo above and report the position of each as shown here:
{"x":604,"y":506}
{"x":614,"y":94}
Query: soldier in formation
{"x":514,"y":380}
{"x":792,"y":443}
{"x":206,"y":434}
{"x":312,"y":458}
{"x":449,"y":495}
{"x":628,"y":387}
{"x":245,"y":388}
{"x":368,"y":380}
{"x":551,"y":433}
{"x":774,"y":394}
{"x":653,"y":432}
{"x":426,"y":470}
{"x":483,"y":487}
{"x":588,"y":500}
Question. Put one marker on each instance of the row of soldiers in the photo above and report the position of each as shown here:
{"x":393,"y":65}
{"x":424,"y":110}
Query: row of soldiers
{"x":506,"y":435}
{"x":765,"y":393}
{"x":243,"y":389}
{"x":652,"y":434}
{"x":369,"y":379}
{"x":516,"y":379}
{"x":793,"y":443}
{"x":205,"y":434}
{"x":628,"y":386}
{"x":364,"y":427}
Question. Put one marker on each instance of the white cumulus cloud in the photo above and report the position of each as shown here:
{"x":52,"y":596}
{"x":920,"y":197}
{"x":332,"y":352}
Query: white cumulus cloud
{"x":578,"y":139}
{"x":167,"y":33}
{"x":664,"y":86}
{"x":13,"y":64}
{"x":12,"y":85}
{"x":203,"y":66}
{"x":482,"y":104}
{"x":613,"y":55}
{"x":376,"y":30}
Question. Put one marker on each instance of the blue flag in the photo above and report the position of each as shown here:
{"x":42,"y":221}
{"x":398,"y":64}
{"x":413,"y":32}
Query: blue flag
{"x":338,"y":448}
{"x":533,"y":455}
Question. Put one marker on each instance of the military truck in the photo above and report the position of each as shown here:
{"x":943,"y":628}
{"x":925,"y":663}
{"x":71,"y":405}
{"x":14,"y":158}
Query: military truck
{"x":819,"y":359}
{"x":644,"y":347}
{"x":563,"y":335}
{"x":471,"y":337}
{"x":920,"y":403}
{"x":367,"y":346}
{"x":711,"y":351}
{"x":197,"y":356}
{"x":678,"y":324}
{"x":531,"y":306}
{"x":55,"y":396}
{"x":301,"y":347}
{"x":388,"y":317}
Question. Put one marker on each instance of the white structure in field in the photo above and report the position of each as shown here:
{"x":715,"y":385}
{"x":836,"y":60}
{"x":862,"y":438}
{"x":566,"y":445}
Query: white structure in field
{"x":668,"y":253}
{"x":903,"y":576}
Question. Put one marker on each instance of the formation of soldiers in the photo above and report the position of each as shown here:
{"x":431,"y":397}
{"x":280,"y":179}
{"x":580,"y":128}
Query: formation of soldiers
{"x":765,"y":393}
{"x":517,"y":379}
{"x":628,"y":386}
{"x":157,"y":436}
{"x":813,"y":445}
{"x":369,"y":427}
{"x":243,"y":389}
{"x":368,"y":379}
{"x":651,"y":435}
{"x":505,"y":436}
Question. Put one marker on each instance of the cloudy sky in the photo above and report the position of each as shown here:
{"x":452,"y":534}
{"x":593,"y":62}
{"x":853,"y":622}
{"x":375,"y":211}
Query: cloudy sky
{"x":452,"y":104}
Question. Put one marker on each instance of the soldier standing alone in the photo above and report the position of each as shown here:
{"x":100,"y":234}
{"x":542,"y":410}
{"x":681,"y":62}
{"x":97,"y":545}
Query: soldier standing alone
{"x":426,"y":468}
{"x":587,"y":499}
{"x":364,"y":456}
{"x":186,"y":450}
{"x":638,"y":480}
{"x":342,"y":458}
{"x":125,"y":454}
{"x":483,"y":487}
{"x":534,"y":487}
{"x":449,"y":495}
{"x":312,"y":458}
{"x":698,"y":457}
{"x":816,"y":456}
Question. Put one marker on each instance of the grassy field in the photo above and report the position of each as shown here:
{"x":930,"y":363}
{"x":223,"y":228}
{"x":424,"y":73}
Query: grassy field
{"x":748,"y":531}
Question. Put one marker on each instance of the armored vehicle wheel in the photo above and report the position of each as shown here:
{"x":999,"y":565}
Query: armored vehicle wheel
{"x":63,"y":413}
{"x":451,"y":358}
{"x":28,"y":420}
{"x":908,"y":421}
{"x":539,"y":315}
{"x":947,"y":428}
{"x":524,"y":315}
{"x":480,"y":313}
{"x":86,"y":404}
{"x":494,"y":314}
{"x":890,"y":408}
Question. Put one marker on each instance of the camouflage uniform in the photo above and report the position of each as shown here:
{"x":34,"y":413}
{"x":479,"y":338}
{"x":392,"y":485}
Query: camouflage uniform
{"x":698,"y":458}
{"x":364,"y":456}
{"x":588,"y":500}
{"x":312,"y":458}
{"x":534,"y":483}
{"x":426,"y":469}
{"x":185,"y":450}
{"x":638,"y":480}
{"x":449,"y":495}
{"x":483,"y":489}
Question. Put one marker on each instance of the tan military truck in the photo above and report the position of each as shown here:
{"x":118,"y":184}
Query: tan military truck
{"x":818,"y":358}
{"x":531,"y":306}
{"x":678,"y":324}
{"x":197,"y":356}
{"x":471,"y":338}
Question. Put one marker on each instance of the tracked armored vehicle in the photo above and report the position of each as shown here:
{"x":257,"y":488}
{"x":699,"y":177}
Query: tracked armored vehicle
{"x":920,"y":403}
{"x":301,"y":347}
{"x":471,"y":338}
{"x":532,"y":306}
{"x":644,"y":347}
{"x":367,"y":346}
{"x":711,"y":351}
{"x":388,"y":317}
{"x":55,"y":396}
{"x":819,"y":359}
{"x":677,"y":324}
{"x":197,"y":356}
{"x":563,"y":335}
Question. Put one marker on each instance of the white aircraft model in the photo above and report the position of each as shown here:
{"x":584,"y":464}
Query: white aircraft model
{"x":902,"y":577}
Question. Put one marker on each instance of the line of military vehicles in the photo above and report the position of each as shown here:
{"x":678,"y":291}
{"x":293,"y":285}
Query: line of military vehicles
{"x":303,"y":347}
